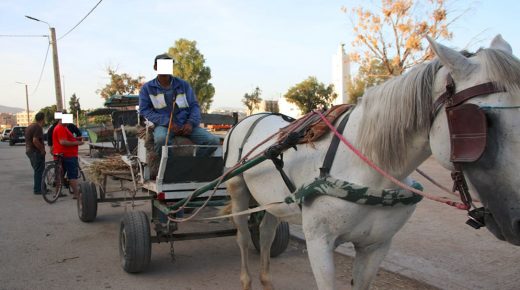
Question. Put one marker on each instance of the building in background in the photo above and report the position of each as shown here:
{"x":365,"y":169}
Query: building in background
{"x":340,"y":75}
{"x":7,"y":120}
{"x":340,"y":80}
{"x":267,"y":106}
{"x":288,"y":109}
{"x":21,"y":118}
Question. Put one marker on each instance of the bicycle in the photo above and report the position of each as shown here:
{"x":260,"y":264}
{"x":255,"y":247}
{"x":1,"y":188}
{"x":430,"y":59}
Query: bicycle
{"x":54,"y":179}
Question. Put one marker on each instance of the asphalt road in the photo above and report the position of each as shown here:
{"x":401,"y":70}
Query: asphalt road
{"x":46,"y":246}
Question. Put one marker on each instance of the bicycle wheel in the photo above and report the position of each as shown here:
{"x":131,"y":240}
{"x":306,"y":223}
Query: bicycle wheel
{"x":51,"y":183}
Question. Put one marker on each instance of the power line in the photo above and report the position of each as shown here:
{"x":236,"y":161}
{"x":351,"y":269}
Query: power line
{"x":43,"y":68}
{"x":80,"y":20}
{"x":21,"y":35}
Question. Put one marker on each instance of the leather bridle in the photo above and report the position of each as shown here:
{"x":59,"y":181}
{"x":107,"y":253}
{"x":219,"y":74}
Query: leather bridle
{"x":468,"y":135}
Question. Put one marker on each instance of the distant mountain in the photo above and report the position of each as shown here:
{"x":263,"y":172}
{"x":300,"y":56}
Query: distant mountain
{"x":12,"y":110}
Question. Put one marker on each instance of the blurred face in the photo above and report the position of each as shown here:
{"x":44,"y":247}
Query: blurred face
{"x":164,"y":66}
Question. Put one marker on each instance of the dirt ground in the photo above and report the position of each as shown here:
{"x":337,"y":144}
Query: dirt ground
{"x":46,"y":246}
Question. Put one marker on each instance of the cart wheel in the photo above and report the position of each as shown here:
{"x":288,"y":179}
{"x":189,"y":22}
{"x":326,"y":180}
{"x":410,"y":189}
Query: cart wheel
{"x":87,"y":201}
{"x":281,"y":238}
{"x":135,"y":248}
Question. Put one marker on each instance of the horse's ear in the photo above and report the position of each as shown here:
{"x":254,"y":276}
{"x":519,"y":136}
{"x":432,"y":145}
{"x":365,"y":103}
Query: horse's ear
{"x":456,"y":63}
{"x":499,"y":43}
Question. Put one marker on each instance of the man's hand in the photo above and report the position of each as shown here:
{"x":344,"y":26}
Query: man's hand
{"x":186,"y":129}
{"x":176,"y":129}
{"x":80,"y":143}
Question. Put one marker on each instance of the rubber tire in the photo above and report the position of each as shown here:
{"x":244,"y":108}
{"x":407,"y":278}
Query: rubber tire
{"x":49,"y":197}
{"x":11,"y":143}
{"x":87,"y":201}
{"x":135,"y":247}
{"x":280,"y":242}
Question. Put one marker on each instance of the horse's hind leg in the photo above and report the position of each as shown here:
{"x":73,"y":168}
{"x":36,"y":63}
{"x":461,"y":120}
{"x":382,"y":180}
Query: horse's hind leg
{"x":367,"y":261}
{"x":267,"y":234}
{"x":240,"y":196}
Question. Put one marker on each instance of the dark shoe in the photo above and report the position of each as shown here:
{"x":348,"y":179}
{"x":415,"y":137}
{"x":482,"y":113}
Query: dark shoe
{"x":62,"y":195}
{"x":74,"y":196}
{"x":37,"y":192}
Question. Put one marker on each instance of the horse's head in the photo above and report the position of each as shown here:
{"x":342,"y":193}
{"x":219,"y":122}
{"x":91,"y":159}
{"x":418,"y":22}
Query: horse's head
{"x":493,"y":168}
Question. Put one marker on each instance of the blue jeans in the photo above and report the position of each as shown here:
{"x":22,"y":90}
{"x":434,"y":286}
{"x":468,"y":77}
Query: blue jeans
{"x":198,"y":136}
{"x":38,"y":164}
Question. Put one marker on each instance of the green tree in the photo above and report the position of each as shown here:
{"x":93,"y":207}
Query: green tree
{"x":74,"y":106}
{"x":366,"y":77}
{"x":120,"y":84}
{"x":253,"y":100}
{"x":311,"y":94}
{"x":49,"y":114}
{"x":102,"y":119}
{"x":190,"y":66}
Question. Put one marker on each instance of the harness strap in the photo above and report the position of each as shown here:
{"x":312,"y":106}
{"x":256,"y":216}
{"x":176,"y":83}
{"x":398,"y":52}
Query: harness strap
{"x":450,"y":98}
{"x":276,"y":150}
{"x":249,"y":133}
{"x":333,"y":147}
{"x":278,"y":163}
{"x":475,"y":91}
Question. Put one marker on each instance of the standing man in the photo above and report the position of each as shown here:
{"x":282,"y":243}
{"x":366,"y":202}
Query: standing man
{"x":156,"y":104}
{"x":35,"y":150}
{"x":64,"y":142}
{"x":72,"y":128}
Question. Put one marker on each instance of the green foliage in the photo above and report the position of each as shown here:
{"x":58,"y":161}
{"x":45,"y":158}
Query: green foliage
{"x":49,"y":114}
{"x":120,"y":84}
{"x":310,"y":94}
{"x":372,"y":74}
{"x":102,"y":119}
{"x":253,"y":100}
{"x":74,"y":106}
{"x":190,"y":66}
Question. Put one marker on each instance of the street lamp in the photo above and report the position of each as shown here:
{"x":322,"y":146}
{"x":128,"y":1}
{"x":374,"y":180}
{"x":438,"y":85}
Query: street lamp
{"x":57,"y":80}
{"x":26,"y":101}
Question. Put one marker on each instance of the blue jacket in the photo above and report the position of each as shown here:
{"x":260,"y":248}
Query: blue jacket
{"x":156,"y":103}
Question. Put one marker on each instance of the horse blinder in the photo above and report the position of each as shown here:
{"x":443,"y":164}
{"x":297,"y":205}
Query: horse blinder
{"x":468,"y":132}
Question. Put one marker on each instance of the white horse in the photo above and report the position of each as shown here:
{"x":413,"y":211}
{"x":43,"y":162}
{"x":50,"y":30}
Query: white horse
{"x":394,"y":127}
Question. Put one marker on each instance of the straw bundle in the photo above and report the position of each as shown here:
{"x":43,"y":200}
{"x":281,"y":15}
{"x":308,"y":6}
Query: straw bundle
{"x":98,"y":169}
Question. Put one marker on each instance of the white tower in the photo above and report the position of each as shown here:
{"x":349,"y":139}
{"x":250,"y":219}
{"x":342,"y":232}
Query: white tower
{"x":340,"y":75}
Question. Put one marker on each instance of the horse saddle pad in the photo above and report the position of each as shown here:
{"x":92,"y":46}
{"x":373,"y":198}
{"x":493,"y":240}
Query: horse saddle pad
{"x":311,"y":126}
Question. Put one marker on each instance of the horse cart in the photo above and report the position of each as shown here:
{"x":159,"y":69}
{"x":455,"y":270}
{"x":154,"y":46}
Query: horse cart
{"x":169,"y":183}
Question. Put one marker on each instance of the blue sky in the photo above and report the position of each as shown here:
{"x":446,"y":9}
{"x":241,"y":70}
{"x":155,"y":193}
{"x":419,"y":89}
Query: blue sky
{"x":271,"y":44}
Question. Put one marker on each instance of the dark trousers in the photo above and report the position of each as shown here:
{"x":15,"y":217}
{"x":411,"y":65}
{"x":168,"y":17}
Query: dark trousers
{"x":38,"y":164}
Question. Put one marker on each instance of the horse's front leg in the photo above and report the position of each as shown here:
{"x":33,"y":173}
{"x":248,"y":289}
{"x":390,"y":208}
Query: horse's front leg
{"x":320,"y":247}
{"x":367,"y":262}
{"x":240,"y":196}
{"x":267,"y":234}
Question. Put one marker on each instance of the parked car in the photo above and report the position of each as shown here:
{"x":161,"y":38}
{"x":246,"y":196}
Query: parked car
{"x":17,"y":135}
{"x":5,"y":135}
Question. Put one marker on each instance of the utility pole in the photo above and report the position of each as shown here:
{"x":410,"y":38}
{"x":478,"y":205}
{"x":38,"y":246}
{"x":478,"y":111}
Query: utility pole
{"x":27,"y":105}
{"x":57,"y":78}
{"x":26,"y":102}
